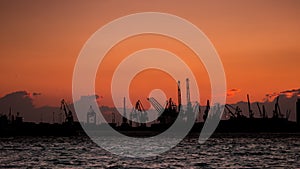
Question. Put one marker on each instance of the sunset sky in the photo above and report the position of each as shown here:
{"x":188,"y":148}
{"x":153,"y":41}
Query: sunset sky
{"x":257,"y":41}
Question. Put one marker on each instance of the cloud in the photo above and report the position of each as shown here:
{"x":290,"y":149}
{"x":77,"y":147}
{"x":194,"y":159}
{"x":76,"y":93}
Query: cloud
{"x":288,"y":93}
{"x":36,"y":94}
{"x":270,"y":96}
{"x":19,"y":101}
{"x":90,"y":97}
{"x":232,"y":92}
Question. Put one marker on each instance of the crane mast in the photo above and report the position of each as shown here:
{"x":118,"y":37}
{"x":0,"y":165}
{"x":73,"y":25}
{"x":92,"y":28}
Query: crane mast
{"x":265,"y":115}
{"x":188,"y":98}
{"x":179,"y":96}
{"x":197,"y":108}
{"x":189,"y":111}
{"x":205,"y":114}
{"x":124,"y":118}
{"x":251,"y":114}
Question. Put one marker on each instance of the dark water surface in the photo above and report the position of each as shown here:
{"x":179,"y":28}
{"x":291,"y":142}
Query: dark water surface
{"x":238,"y":151}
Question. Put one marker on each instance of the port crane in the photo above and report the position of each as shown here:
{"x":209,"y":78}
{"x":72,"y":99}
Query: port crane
{"x":277,"y":111}
{"x":68,"y":113}
{"x":262,"y":113}
{"x":189,"y":108}
{"x":196,"y":108}
{"x":170,"y":113}
{"x":232,"y":115}
{"x":170,"y":105}
{"x":124,"y":118}
{"x":237,"y":113}
{"x":179,"y":96}
{"x":205,"y":114}
{"x":251,"y":114}
{"x":113,"y":118}
{"x":265,"y":114}
{"x":139,"y":113}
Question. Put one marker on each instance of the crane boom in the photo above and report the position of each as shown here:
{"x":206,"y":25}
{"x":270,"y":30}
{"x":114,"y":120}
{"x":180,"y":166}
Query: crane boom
{"x":260,"y":113}
{"x":231,"y":113}
{"x":276,"y":111}
{"x":179,"y":96}
{"x":158,"y":107}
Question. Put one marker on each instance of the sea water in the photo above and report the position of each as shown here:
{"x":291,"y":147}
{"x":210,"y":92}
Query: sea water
{"x":223,"y":151}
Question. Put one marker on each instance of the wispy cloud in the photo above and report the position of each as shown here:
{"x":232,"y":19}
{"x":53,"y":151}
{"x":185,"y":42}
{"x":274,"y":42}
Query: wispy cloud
{"x":232,"y":92}
{"x":292,"y":92}
{"x":288,"y":93}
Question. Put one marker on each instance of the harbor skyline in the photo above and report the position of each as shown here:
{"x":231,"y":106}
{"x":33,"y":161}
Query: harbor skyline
{"x":150,"y":84}
{"x":22,"y":102}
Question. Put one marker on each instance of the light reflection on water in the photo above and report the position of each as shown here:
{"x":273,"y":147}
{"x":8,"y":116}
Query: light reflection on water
{"x":225,"y":152}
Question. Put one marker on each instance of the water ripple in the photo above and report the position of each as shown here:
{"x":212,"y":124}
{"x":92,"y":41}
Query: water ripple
{"x":221,"y":152}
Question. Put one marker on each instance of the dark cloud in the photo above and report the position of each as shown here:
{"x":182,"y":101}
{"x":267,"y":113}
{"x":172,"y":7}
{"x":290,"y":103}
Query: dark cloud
{"x":19,"y":101}
{"x":292,"y":92}
{"x":36,"y":94}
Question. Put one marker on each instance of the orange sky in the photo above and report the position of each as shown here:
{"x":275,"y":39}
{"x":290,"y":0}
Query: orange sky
{"x":258,"y":42}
